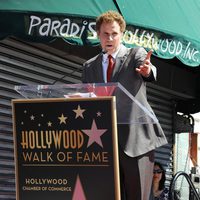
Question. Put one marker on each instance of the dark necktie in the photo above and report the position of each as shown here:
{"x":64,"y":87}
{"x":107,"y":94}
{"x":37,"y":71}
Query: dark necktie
{"x":111,"y":64}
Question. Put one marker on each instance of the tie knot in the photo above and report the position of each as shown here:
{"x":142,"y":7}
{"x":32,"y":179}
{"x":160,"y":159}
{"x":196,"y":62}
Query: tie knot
{"x":110,"y":60}
{"x":110,"y":57}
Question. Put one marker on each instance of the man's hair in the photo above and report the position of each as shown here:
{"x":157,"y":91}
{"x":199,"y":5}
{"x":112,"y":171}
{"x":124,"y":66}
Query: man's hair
{"x":109,"y":17}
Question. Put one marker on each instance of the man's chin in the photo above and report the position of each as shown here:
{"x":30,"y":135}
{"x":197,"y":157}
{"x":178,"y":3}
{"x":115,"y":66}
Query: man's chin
{"x":110,"y":51}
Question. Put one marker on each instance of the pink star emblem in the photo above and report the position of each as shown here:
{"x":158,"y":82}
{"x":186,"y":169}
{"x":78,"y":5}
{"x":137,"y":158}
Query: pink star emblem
{"x":94,"y":134}
{"x":78,"y":191}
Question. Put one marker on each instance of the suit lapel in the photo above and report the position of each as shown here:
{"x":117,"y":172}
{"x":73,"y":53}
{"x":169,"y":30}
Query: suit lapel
{"x":98,"y":69}
{"x":120,"y":60}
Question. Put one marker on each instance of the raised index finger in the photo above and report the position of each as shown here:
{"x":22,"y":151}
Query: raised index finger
{"x":149,"y":54}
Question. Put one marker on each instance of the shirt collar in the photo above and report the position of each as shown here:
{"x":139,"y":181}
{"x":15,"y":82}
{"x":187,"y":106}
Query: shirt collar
{"x":114,"y":55}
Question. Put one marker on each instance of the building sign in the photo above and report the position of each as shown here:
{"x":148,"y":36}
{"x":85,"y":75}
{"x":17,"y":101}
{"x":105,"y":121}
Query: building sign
{"x":82,"y":31}
{"x":66,"y":149}
{"x":164,"y":46}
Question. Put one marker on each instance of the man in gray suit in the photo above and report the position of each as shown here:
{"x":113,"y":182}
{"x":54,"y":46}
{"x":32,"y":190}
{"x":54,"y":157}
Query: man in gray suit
{"x":132,"y":67}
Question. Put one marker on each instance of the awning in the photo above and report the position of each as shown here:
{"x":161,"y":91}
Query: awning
{"x":170,"y":28}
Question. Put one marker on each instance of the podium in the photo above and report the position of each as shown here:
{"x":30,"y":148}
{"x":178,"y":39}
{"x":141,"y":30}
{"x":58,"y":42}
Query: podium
{"x":66,"y":144}
{"x":124,"y":101}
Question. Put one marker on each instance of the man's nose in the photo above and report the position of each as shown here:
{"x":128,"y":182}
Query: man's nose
{"x":110,"y":37}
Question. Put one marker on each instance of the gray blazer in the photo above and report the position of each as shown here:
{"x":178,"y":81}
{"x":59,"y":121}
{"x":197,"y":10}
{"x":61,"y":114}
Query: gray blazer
{"x":134,"y":139}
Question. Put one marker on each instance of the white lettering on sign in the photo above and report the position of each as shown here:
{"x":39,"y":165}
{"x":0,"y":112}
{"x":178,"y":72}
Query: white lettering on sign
{"x":173,"y":47}
{"x":67,"y":28}
{"x":57,"y":28}
{"x":145,"y":39}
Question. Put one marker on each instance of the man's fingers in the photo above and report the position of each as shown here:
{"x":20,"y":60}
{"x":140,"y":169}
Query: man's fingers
{"x":149,"y":54}
{"x":140,"y":68}
{"x":137,"y":69}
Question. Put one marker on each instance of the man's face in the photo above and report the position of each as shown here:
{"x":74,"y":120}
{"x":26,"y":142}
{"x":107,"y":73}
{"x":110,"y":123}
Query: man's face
{"x":110,"y":36}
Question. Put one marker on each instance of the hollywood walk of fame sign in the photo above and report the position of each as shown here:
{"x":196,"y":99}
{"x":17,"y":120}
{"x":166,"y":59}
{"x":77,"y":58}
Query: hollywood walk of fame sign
{"x":66,"y":149}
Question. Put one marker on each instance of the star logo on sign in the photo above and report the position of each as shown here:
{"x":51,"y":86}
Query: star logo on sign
{"x":99,"y":114}
{"x":94,"y":134}
{"x":32,"y":117}
{"x":49,"y":124}
{"x":78,"y":190}
{"x":79,"y":112}
{"x":62,"y":119}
